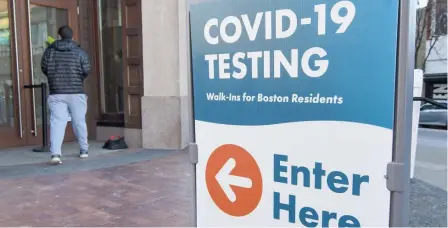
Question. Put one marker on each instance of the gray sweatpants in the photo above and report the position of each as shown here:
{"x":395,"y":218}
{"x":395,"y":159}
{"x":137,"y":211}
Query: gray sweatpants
{"x":62,"y":108}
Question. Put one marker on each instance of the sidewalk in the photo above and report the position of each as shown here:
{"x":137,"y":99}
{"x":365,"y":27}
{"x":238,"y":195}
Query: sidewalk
{"x":135,"y":189}
{"x":155,"y":192}
{"x":24,"y":155}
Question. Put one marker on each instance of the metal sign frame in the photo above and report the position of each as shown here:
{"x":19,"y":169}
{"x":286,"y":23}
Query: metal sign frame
{"x":401,"y":158}
{"x":398,"y":170}
{"x":193,"y":147}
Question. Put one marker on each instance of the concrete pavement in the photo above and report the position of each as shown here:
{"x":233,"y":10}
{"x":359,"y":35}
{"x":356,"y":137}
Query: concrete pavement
{"x":428,"y":205}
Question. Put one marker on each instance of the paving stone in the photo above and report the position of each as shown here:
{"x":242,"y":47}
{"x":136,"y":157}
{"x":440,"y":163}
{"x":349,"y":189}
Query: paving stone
{"x":148,"y":193}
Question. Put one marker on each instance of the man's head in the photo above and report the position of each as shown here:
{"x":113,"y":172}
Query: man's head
{"x":65,"y":33}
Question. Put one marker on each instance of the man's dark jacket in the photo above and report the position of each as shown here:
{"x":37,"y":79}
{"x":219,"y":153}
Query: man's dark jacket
{"x":66,"y":65}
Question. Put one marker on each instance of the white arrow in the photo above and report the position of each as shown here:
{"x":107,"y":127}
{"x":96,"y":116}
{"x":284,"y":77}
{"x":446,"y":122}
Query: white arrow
{"x":225,"y":179}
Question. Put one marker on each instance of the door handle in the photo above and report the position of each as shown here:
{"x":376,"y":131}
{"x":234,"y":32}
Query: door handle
{"x":43,"y":90}
{"x":33,"y":95}
{"x":18,"y":71}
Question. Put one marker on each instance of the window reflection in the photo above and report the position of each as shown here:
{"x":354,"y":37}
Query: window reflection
{"x":45,"y":21}
{"x":6,"y":78}
{"x":111,"y":62}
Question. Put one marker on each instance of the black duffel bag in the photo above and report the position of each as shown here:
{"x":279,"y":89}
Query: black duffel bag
{"x":115,"y":143}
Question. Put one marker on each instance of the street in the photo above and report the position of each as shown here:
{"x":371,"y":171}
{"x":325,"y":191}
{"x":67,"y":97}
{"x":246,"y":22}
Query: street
{"x":429,"y":186}
{"x":431,"y":159}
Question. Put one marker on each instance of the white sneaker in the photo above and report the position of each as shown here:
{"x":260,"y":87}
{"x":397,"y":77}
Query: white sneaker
{"x":55,"y":159}
{"x":83,"y":154}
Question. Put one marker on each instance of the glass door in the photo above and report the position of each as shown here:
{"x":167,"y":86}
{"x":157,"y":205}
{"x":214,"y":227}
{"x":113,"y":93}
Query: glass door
{"x":45,"y":18}
{"x":11,"y":97}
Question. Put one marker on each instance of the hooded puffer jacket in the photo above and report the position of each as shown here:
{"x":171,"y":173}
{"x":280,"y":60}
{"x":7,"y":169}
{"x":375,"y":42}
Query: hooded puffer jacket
{"x":66,"y":65}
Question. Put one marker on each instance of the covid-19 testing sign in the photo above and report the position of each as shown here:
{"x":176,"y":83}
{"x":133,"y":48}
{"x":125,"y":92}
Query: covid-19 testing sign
{"x":294,"y":111}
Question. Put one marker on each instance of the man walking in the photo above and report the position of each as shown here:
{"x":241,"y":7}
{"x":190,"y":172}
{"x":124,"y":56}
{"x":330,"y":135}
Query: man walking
{"x":66,"y":65}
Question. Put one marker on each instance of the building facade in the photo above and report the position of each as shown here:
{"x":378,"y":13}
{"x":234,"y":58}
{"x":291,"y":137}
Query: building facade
{"x":435,"y":77}
{"x":139,"y":85}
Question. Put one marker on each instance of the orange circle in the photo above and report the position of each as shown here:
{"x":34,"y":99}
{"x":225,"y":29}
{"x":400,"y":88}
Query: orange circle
{"x":247,"y":199}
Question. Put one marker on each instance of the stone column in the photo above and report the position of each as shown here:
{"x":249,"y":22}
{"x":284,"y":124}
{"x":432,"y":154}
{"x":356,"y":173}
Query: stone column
{"x":165,"y":104}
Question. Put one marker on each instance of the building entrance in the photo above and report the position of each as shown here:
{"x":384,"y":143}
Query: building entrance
{"x":24,"y":29}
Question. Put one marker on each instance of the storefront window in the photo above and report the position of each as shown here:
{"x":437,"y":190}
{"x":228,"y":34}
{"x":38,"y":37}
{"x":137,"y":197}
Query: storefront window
{"x":111,"y":62}
{"x":6,"y":78}
{"x":45,"y":21}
